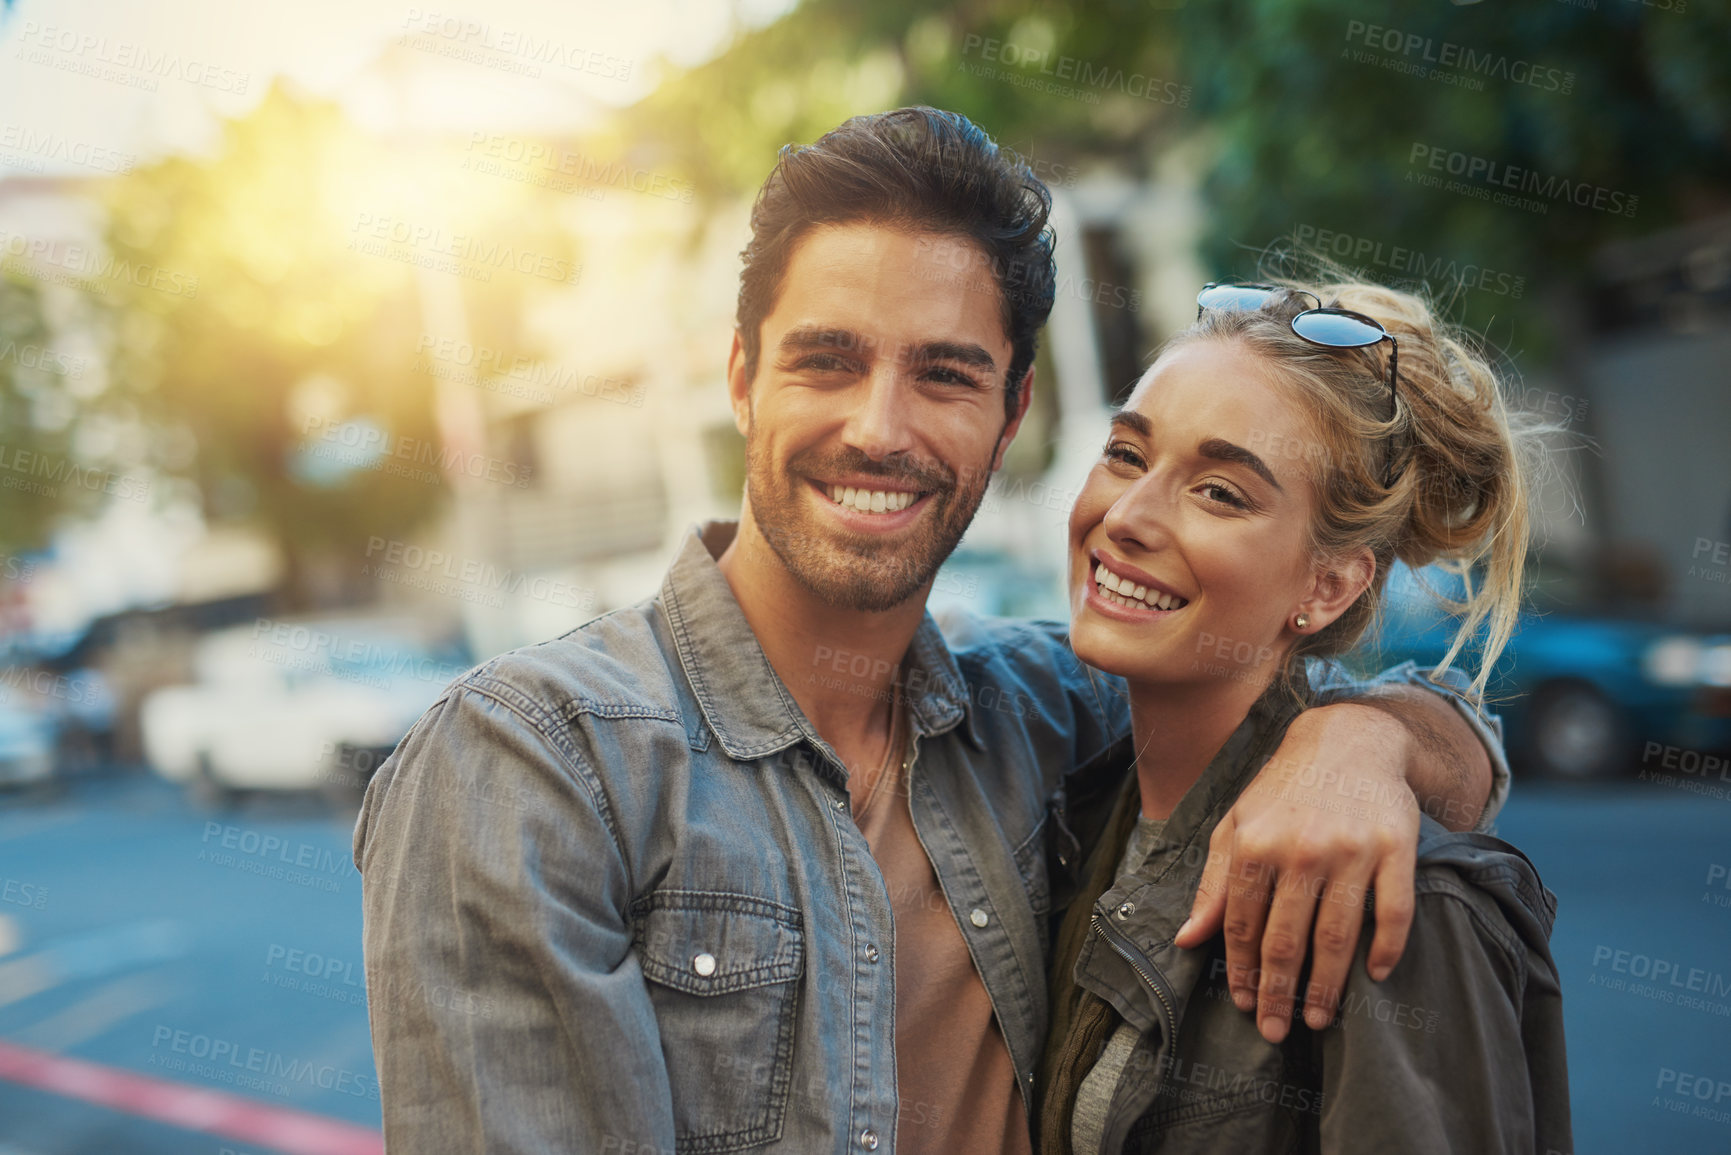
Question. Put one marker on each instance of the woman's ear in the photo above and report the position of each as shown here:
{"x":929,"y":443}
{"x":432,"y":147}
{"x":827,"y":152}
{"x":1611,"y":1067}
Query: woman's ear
{"x":1335,"y":585}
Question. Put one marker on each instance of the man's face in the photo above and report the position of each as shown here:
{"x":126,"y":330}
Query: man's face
{"x":876,"y":416}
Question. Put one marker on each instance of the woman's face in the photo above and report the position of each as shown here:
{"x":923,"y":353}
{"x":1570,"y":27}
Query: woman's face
{"x":1195,"y":518}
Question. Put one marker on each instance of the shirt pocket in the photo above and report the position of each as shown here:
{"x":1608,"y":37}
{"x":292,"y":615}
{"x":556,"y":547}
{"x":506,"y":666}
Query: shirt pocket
{"x":723,"y":973}
{"x":1031,"y":864}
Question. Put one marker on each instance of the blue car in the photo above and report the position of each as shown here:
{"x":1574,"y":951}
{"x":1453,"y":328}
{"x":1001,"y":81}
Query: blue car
{"x":1582,"y":697}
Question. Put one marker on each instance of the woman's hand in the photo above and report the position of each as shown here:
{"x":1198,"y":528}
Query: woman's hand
{"x":1329,"y":816}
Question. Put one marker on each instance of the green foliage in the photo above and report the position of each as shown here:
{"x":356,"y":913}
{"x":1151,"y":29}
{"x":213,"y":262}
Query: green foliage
{"x":295,"y":298}
{"x":1294,"y":131}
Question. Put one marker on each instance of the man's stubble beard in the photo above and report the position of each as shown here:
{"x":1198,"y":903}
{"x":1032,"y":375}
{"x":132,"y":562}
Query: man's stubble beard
{"x":855,"y":571}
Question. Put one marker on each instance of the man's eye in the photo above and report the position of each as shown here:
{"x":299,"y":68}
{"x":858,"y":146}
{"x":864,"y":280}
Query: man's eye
{"x":824,"y":363}
{"x":946,"y":376}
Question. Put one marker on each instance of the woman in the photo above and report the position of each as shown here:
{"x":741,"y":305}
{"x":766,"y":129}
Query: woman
{"x":1274,"y":461}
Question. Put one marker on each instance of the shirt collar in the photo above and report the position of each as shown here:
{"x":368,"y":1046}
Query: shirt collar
{"x":746,"y":704}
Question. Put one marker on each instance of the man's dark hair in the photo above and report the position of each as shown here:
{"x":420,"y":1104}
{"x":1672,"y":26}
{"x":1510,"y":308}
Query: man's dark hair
{"x":919,"y":169}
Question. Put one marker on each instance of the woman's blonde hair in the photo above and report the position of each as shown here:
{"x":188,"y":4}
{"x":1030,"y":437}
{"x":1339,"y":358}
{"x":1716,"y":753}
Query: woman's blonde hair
{"x":1464,"y":464}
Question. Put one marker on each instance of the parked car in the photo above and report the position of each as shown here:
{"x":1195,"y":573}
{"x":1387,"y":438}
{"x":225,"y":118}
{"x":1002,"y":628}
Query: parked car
{"x":1582,"y":696}
{"x":26,"y":743}
{"x":305,"y":705}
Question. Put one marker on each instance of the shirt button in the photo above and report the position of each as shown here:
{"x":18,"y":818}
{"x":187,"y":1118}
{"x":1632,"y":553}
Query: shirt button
{"x":978,"y":918}
{"x":868,"y":1139}
{"x":704,"y":964}
{"x":1125,"y":910}
{"x":841,"y":803}
{"x":871,"y":952}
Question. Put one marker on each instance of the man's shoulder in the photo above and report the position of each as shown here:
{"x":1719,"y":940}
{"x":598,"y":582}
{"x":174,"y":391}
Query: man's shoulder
{"x":619,"y":664}
{"x":982,"y":640}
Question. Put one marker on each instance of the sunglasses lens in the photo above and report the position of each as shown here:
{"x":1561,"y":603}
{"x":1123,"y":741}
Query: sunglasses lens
{"x":1334,"y":329}
{"x":1234,"y":297}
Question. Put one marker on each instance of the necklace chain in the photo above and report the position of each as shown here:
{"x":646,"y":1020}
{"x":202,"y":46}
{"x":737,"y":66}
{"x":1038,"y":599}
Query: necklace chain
{"x":897,"y":739}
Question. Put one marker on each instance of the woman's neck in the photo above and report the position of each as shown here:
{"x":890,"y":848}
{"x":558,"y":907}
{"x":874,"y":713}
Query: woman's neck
{"x":1179,"y":728}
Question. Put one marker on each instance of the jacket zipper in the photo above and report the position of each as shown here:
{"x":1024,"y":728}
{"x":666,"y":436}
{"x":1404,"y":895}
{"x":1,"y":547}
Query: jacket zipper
{"x":1136,"y":959}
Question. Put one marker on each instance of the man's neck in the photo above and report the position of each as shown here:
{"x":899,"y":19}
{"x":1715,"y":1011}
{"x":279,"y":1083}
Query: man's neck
{"x":840,"y":665}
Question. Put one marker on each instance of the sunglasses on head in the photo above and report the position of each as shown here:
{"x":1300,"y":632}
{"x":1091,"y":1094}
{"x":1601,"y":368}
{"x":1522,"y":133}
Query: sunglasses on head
{"x":1329,"y":327}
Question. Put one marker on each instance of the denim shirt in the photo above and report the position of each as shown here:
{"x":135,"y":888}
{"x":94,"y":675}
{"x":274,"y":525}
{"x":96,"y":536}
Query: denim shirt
{"x":615,"y":900}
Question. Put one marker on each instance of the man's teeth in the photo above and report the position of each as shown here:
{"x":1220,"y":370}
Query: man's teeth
{"x":1125,"y":592}
{"x":871,"y":500}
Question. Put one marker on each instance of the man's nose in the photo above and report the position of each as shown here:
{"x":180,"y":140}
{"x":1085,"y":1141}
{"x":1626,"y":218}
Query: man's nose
{"x":881,"y":420}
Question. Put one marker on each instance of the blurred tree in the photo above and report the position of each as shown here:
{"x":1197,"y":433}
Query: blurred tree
{"x":34,"y":418}
{"x":1305,"y":116}
{"x":285,"y":299}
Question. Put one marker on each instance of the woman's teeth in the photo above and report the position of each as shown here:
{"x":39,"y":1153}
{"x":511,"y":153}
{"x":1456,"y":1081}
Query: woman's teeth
{"x":1124,"y":592}
{"x":871,"y":500}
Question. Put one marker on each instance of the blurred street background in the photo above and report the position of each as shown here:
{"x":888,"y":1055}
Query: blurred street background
{"x":345,"y":345}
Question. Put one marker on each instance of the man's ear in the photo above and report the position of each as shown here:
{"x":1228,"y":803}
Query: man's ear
{"x":1335,"y":585}
{"x":739,"y":387}
{"x":1015,"y":421}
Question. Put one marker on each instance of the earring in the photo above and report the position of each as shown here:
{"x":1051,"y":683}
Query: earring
{"x":1302,"y":622}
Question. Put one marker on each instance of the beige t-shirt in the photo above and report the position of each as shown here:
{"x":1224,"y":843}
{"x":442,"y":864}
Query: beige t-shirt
{"x":953,"y":1072}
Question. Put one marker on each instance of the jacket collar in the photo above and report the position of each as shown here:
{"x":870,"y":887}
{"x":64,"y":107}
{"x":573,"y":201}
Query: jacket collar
{"x":1147,"y":907}
{"x":746,"y":704}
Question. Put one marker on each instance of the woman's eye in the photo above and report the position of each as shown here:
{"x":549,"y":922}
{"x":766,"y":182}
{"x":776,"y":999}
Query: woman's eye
{"x":1220,"y":493}
{"x":1120,"y":452}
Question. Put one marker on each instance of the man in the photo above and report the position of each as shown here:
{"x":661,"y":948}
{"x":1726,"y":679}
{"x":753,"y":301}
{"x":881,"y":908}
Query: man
{"x":761,"y":862}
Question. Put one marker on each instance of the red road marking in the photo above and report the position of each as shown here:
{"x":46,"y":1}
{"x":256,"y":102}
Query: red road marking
{"x":193,"y":1108}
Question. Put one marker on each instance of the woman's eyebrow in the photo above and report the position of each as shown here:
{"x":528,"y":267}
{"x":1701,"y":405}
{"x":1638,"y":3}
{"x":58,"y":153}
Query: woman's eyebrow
{"x":1219,"y":450}
{"x":1134,"y":420}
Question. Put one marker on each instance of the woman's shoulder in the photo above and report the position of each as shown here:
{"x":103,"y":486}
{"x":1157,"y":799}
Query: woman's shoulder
{"x":1491,"y":881}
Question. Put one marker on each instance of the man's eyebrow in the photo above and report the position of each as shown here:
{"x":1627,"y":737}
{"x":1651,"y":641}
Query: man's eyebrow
{"x":1220,"y":450}
{"x":807,"y":337}
{"x":965,"y":352}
